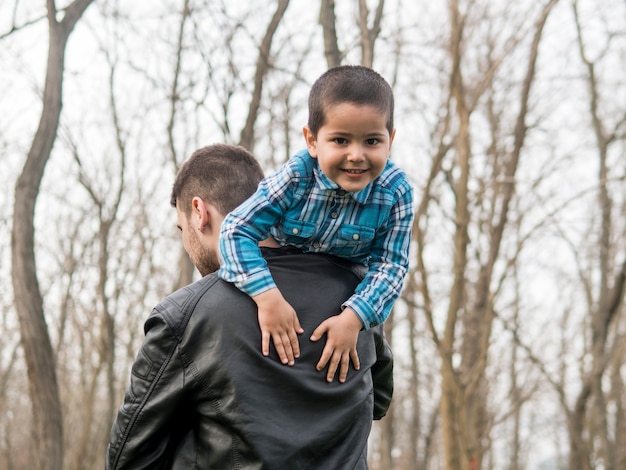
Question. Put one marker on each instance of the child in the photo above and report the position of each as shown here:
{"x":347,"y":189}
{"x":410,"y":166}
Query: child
{"x":342,"y":196}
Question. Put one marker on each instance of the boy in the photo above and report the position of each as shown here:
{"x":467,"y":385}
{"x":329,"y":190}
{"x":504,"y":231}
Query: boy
{"x":342,"y":196}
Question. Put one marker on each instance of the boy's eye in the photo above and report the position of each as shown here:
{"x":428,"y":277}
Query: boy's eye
{"x":340,"y":140}
{"x":372,"y":141}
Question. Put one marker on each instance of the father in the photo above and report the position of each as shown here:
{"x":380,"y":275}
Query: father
{"x":203,"y":396}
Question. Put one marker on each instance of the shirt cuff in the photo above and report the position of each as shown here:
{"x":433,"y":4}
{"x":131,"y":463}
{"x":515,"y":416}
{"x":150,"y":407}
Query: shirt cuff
{"x":256,"y":283}
{"x":364,"y":311}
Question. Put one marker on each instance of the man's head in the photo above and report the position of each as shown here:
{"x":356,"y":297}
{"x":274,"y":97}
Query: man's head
{"x":209,"y":185}
{"x":353,"y":84}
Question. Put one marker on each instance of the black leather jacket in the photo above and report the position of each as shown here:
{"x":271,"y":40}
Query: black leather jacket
{"x":202,"y":396}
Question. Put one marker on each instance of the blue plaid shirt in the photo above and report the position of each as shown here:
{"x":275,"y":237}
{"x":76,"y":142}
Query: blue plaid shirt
{"x":300,"y":206}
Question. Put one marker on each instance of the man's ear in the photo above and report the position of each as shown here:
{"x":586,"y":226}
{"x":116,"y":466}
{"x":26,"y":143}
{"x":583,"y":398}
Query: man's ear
{"x":206,"y":217}
{"x":200,"y":213}
{"x":311,"y":141}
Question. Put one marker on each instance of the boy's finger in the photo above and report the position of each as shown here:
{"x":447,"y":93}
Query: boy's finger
{"x":288,"y":347}
{"x":332,"y":367}
{"x":297,"y":325}
{"x":265,"y":343}
{"x":280,"y":349}
{"x":318,"y":333}
{"x":343,"y":370}
{"x":295,"y":344}
{"x":355,"y":359}
{"x":326,"y":353}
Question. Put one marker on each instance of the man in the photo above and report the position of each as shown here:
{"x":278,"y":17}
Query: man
{"x":203,"y":396}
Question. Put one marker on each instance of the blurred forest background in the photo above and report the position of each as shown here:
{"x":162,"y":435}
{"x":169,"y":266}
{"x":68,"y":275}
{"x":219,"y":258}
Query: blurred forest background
{"x":511,"y":121}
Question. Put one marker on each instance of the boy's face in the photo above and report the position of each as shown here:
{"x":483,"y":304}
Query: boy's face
{"x":352,"y":146}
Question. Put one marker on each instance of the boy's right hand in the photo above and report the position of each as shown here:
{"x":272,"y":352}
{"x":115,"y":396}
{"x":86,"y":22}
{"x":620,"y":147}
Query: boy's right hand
{"x":342,"y":335}
{"x":278,"y":321}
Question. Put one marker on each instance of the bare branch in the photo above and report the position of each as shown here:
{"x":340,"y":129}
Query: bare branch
{"x":331,"y":45}
{"x":262,"y":68}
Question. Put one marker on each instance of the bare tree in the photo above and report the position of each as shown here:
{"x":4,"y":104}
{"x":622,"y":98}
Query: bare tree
{"x":591,"y":438}
{"x":186,"y":268}
{"x":47,"y":420}
{"x":328,"y":21}
{"x":470,"y":312}
{"x":263,"y":65}
{"x":107,"y":207}
{"x":369,"y":33}
{"x":478,"y":109}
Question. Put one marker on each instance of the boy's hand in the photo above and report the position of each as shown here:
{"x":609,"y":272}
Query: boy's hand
{"x":342,"y":334}
{"x":278,"y":320}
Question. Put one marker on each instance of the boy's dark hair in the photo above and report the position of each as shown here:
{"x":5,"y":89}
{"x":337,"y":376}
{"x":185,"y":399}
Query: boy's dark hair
{"x":221,"y":174}
{"x":349,"y":84}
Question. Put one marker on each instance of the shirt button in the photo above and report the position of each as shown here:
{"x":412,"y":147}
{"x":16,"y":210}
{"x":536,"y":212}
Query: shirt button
{"x":294,"y":231}
{"x":373,"y":324}
{"x":355,"y":236}
{"x":317,"y":245}
{"x":334,"y":215}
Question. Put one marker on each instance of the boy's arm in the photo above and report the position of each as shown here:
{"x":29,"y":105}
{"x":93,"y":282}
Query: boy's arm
{"x":242,"y":263}
{"x":243,"y":228}
{"x":388,"y":264}
{"x":374,"y":296}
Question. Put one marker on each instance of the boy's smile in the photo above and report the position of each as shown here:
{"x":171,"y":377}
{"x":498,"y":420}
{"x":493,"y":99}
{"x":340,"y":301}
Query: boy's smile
{"x":352,"y":146}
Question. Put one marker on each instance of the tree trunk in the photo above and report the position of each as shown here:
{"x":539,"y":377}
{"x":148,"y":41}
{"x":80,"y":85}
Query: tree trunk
{"x":262,"y":67}
{"x":464,"y":392}
{"x":331,"y":44}
{"x":47,"y":426}
{"x":387,"y":434}
{"x":452,"y":396}
{"x":588,"y":425}
{"x":369,"y":35}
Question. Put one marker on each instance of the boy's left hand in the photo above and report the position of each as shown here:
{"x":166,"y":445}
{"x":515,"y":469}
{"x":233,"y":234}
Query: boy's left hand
{"x":342,"y":334}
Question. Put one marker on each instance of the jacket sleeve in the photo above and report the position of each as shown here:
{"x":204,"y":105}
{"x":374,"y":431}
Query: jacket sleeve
{"x":382,"y":374}
{"x":142,"y":431}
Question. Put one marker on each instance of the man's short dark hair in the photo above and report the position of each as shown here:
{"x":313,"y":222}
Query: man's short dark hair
{"x":349,"y":84}
{"x":221,"y":174}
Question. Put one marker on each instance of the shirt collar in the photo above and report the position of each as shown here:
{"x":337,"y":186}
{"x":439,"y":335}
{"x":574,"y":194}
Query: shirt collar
{"x":327,"y":184}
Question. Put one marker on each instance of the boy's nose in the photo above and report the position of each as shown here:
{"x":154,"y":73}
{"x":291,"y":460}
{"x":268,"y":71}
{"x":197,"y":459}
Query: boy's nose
{"x":356,"y":153}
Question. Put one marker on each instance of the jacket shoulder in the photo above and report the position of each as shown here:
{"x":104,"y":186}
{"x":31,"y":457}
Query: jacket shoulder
{"x":177,"y":307}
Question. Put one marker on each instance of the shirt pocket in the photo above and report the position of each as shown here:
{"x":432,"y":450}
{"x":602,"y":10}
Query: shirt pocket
{"x":295,"y":232}
{"x":354,"y":240}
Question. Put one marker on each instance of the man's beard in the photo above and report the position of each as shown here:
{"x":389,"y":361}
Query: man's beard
{"x":204,"y":258}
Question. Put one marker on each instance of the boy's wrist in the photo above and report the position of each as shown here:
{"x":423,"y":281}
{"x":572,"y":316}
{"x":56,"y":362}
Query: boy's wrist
{"x":354,"y":321}
{"x":267,"y":297}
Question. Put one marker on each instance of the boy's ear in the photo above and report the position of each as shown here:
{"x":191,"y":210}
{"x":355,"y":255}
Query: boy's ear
{"x":311,"y":141}
{"x":391,"y":137}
